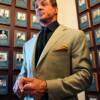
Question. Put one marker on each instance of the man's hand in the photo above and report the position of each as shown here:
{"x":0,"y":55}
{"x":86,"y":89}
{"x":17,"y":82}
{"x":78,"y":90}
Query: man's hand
{"x":34,"y":87}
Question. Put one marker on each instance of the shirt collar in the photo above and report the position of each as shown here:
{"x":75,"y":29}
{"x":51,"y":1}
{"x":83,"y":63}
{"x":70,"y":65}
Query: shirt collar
{"x":52,"y":27}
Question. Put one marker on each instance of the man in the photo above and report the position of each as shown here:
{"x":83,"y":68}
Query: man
{"x":56,"y":64}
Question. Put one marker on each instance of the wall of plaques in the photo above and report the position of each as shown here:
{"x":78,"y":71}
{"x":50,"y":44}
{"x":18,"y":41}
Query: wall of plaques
{"x":88,"y":12}
{"x":17,"y":25}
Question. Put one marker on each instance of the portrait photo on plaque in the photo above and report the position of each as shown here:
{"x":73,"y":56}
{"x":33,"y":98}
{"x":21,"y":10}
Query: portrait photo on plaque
{"x":4,"y":37}
{"x":84,"y":21}
{"x":18,"y":60}
{"x":3,"y":59}
{"x":21,"y":19}
{"x":94,"y":86}
{"x":19,"y":38}
{"x":82,"y":5}
{"x":96,"y":16}
{"x":21,"y":3}
{"x":34,"y":22}
{"x":6,"y":1}
{"x":97,"y":36}
{"x":4,"y":15}
{"x":94,"y":2}
{"x":3,"y":84}
{"x":88,"y":38}
{"x":32,"y":5}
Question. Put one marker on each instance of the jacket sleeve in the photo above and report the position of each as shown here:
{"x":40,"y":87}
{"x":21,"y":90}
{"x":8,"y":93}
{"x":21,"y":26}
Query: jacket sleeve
{"x":81,"y":76}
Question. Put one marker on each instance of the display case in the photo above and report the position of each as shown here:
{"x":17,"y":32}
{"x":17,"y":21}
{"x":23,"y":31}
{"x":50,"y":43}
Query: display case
{"x":88,"y":14}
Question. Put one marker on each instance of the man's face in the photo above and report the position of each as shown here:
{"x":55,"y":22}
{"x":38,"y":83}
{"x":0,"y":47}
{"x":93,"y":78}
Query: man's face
{"x":45,"y":11}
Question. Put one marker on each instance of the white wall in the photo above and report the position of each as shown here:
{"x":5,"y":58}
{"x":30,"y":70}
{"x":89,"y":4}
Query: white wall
{"x":67,"y":16}
{"x":67,"y":13}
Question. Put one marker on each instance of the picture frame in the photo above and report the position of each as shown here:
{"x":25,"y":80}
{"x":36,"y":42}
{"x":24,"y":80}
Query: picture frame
{"x":97,"y":36}
{"x":82,"y":5}
{"x":95,"y":85}
{"x":94,"y":2}
{"x":3,"y":59}
{"x":21,"y":3}
{"x":96,"y":16}
{"x":6,"y":2}
{"x":34,"y":22}
{"x":19,"y":38}
{"x":4,"y":36}
{"x":92,"y":59}
{"x":98,"y":54}
{"x":3,"y":85}
{"x":18,"y":60}
{"x":32,"y":33}
{"x":5,"y":16}
{"x":21,"y":19}
{"x":32,"y":5}
{"x":89,"y":38}
{"x":93,"y":97}
{"x":84,"y":21}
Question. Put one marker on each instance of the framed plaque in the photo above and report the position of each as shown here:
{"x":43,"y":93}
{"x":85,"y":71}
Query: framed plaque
{"x":96,"y":16}
{"x":95,"y":85}
{"x":94,"y":2}
{"x":92,"y":59}
{"x":6,"y":1}
{"x":93,"y":97}
{"x":34,"y":22}
{"x":3,"y":85}
{"x":97,"y":36}
{"x":4,"y":36}
{"x":32,"y":5}
{"x":19,"y":38}
{"x":21,"y":3}
{"x":3,"y":59}
{"x":82,"y":5}
{"x":21,"y":19}
{"x":84,"y":21}
{"x":4,"y":15}
{"x":18,"y":60}
{"x":89,"y":38}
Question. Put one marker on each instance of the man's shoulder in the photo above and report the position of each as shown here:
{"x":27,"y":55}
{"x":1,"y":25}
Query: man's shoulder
{"x":71,"y":31}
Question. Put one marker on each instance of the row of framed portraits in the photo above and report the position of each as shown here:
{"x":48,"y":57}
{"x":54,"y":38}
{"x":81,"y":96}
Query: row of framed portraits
{"x":17,"y":60}
{"x":89,"y":37}
{"x":20,"y":36}
{"x":83,"y":4}
{"x":84,"y":18}
{"x":19,"y":3}
{"x":21,"y":18}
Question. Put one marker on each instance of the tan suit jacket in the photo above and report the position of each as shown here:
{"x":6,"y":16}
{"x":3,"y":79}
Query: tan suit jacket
{"x":64,"y":63}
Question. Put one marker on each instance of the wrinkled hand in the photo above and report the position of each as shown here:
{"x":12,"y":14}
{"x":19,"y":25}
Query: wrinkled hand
{"x":34,"y":87}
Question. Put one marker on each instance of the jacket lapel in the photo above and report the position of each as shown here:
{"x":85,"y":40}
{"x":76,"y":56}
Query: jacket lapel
{"x":55,"y":37}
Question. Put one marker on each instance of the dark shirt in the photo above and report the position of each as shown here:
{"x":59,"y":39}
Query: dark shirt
{"x":44,"y":36}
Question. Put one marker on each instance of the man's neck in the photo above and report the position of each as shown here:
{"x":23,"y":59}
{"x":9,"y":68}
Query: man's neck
{"x":47,"y":23}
